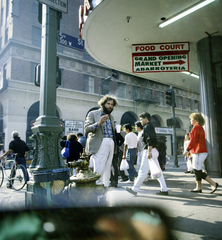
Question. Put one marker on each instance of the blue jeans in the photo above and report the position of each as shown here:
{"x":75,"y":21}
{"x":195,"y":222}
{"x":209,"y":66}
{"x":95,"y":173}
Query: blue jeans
{"x":22,"y":161}
{"x":131,"y":161}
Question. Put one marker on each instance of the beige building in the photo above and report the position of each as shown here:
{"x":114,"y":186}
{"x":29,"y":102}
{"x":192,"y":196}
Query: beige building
{"x":82,"y":80}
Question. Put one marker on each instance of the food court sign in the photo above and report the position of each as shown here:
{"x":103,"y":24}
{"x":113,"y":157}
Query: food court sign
{"x":160,"y":57}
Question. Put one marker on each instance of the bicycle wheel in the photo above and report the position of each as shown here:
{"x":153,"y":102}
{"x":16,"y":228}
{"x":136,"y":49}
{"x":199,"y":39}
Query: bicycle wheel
{"x":1,"y":176}
{"x":18,"y":177}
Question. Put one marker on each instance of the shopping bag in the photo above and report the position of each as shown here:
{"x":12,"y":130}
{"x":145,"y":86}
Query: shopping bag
{"x":65,"y":150}
{"x":155,"y":172}
{"x":124,"y":165}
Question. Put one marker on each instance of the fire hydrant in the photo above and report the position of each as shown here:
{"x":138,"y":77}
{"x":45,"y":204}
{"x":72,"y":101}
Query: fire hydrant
{"x":83,"y":189}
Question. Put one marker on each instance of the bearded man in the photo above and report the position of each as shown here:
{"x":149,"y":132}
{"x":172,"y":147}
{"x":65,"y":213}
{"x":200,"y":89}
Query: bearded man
{"x":100,"y":127}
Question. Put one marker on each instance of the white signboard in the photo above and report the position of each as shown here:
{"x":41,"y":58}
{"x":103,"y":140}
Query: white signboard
{"x":59,"y":5}
{"x":163,"y":130}
{"x":73,"y":127}
{"x":160,"y":57}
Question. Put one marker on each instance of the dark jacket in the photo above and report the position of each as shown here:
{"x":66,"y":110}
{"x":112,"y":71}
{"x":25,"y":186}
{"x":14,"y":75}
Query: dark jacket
{"x":149,"y":136}
{"x":18,"y":146}
{"x":75,"y":150}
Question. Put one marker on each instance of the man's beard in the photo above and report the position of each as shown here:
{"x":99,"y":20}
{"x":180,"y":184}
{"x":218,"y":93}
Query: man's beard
{"x":106,"y":110}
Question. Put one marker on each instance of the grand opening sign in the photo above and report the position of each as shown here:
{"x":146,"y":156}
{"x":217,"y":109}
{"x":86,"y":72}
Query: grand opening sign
{"x":160,"y":57}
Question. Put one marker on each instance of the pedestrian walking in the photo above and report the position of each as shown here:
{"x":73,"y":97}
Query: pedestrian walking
{"x":149,"y":152}
{"x":197,"y":147}
{"x":130,"y":150}
{"x":139,"y":129}
{"x":100,"y":127}
{"x":188,"y":158}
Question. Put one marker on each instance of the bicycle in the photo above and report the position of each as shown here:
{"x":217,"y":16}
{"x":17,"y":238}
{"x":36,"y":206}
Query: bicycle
{"x":17,"y":177}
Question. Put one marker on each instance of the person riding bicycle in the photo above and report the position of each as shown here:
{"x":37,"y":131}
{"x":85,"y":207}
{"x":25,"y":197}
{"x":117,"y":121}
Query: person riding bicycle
{"x":20,"y":147}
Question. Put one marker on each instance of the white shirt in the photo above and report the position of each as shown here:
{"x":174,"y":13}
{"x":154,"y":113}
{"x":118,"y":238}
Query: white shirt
{"x":131,"y":140}
{"x":140,"y":143}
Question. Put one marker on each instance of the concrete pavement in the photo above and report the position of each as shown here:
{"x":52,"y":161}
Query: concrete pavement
{"x":193,"y":216}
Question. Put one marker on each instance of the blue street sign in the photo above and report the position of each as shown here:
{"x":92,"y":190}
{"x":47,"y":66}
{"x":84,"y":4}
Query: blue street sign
{"x":70,"y":41}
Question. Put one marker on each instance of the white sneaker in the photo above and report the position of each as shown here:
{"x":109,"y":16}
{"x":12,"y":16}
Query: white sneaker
{"x":129,"y":181}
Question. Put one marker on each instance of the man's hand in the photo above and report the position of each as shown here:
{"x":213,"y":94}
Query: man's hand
{"x":103,"y":119}
{"x":149,"y":155}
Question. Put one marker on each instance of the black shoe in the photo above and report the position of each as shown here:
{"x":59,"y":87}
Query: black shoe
{"x":162,"y":193}
{"x":187,"y":172}
{"x":124,"y":179}
{"x":8,"y":185}
{"x":113,"y":185}
{"x":196,"y":191}
{"x":131,"y":191}
{"x":217,"y":185}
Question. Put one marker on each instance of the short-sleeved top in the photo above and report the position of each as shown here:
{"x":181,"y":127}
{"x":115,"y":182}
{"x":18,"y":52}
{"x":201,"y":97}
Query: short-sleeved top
{"x":18,"y":146}
{"x":131,"y":140}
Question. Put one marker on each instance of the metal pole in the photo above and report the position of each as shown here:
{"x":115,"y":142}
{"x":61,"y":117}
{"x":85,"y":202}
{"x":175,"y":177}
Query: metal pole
{"x":174,"y":137}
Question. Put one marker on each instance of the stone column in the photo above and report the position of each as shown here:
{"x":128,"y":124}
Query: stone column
{"x":209,"y":51}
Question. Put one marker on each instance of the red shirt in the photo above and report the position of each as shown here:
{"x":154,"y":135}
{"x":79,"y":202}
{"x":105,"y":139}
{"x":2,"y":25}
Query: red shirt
{"x":197,"y":140}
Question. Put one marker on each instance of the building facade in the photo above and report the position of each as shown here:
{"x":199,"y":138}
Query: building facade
{"x":82,"y":80}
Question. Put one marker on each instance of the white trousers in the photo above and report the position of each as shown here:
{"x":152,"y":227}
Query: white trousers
{"x":198,"y":160}
{"x":142,"y":174}
{"x":102,"y":161}
{"x":139,"y":160}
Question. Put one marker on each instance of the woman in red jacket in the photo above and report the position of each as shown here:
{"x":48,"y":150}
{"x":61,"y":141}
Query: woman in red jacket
{"x":197,"y":147}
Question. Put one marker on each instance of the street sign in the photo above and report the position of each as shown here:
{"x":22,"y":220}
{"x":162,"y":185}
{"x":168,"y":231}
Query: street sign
{"x":160,"y":57}
{"x":70,"y":41}
{"x":72,"y":126}
{"x":59,"y":5}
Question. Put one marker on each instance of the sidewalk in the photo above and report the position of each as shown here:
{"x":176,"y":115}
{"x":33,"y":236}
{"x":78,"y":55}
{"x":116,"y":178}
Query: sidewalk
{"x":193,"y":216}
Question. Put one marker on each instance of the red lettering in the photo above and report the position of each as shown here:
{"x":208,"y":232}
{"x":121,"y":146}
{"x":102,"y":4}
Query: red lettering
{"x":145,"y":48}
{"x":162,"y":47}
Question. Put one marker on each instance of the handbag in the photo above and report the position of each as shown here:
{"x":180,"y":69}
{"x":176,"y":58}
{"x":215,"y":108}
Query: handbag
{"x":155,"y":172}
{"x":124,"y":165}
{"x":65,"y":150}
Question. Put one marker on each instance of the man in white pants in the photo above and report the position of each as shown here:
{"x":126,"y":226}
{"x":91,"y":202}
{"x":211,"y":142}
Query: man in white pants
{"x":149,"y":151}
{"x":100,"y":127}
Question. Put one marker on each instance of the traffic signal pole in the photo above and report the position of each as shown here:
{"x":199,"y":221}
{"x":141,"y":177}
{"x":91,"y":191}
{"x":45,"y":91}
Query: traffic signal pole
{"x":174,"y":133}
{"x":170,"y":101}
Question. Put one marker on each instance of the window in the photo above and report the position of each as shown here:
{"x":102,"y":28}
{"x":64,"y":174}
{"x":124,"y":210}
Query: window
{"x":135,"y":92}
{"x":6,"y":35}
{"x":0,"y":43}
{"x":88,"y":84}
{"x":7,"y":8}
{"x":106,"y":86}
{"x":188,"y":103}
{"x":32,"y":77}
{"x":36,"y":36}
{"x":179,"y":102}
{"x":148,"y":94}
{"x":161,"y":98}
{"x":196,"y":105}
{"x":2,"y":15}
{"x":121,"y":90}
